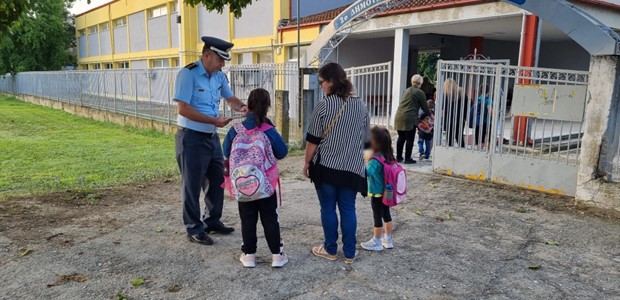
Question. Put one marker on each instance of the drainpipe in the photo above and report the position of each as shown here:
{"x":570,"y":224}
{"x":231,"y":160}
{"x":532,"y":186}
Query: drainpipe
{"x":180,"y":31}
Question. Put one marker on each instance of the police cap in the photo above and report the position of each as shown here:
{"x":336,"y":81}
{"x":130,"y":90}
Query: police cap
{"x":219,"y":46}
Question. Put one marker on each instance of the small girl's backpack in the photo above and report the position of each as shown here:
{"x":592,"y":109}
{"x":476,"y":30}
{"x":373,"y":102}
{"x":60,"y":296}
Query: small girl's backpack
{"x":253,"y":171}
{"x":395,"y":176}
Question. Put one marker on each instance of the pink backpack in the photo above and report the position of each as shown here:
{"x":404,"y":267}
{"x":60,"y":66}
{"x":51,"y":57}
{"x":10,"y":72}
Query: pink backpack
{"x":253,"y":171}
{"x":395,"y":189}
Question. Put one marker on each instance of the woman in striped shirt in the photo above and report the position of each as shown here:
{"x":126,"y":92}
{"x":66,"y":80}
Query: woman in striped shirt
{"x":337,"y":135}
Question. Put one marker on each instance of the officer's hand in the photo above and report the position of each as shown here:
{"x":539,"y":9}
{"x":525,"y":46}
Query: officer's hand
{"x":222,"y":121}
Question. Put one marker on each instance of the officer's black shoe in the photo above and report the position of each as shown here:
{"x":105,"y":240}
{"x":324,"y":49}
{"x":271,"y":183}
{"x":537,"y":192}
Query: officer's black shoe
{"x":201,"y":238}
{"x":219,"y":228}
{"x":409,"y":161}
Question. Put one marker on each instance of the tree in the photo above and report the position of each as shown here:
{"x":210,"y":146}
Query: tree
{"x":427,"y":65}
{"x":39,"y":40}
{"x":10,"y":11}
{"x":235,"y":6}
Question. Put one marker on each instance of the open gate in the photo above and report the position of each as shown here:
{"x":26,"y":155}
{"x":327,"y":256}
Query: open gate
{"x":520,"y":126}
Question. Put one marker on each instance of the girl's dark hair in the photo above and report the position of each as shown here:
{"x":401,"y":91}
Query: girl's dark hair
{"x":259,"y":102}
{"x":335,"y":74}
{"x":383,"y":139}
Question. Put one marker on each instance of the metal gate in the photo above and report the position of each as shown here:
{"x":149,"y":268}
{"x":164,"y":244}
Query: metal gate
{"x":514,"y":125}
{"x":373,"y":84}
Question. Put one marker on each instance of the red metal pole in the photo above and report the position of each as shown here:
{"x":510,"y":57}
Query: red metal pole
{"x":528,"y":53}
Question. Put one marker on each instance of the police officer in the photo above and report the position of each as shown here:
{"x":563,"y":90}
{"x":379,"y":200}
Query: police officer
{"x":198,"y":89}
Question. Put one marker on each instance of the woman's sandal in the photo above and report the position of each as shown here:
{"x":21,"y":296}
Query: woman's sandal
{"x":321,"y":252}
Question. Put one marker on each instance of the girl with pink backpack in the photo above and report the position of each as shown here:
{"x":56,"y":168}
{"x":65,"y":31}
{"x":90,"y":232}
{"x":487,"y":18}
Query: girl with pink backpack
{"x":387,"y":187}
{"x":251,"y":149}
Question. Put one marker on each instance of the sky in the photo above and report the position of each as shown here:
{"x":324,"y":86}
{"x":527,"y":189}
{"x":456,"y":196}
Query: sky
{"x":80,"y":6}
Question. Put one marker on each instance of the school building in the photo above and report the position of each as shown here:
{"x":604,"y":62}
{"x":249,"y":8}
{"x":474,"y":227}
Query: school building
{"x":161,"y":33}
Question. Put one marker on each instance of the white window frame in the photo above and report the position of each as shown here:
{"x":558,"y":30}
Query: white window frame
{"x":158,"y":11}
{"x":104,"y":26}
{"x":93,"y":29}
{"x":173,"y":8}
{"x":82,"y":32}
{"x":122,"y":21}
{"x":108,"y":66}
{"x":123,"y":65}
{"x":290,"y":51}
{"x":160,"y":63}
{"x":95,"y":67}
{"x":174,"y":62}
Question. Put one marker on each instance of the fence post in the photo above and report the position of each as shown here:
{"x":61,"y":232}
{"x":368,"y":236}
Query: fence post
{"x":308,"y":108}
{"x":283,"y":120}
{"x":136,"y":92}
{"x":599,"y":141}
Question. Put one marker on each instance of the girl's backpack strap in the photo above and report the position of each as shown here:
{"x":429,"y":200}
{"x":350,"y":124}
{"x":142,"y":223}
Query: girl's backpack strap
{"x":379,"y":159}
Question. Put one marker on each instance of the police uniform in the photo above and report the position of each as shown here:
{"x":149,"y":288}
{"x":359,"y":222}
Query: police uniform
{"x":198,"y":149}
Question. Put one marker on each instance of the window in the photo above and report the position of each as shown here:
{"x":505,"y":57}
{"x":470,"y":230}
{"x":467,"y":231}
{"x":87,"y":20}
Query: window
{"x":264,"y":58}
{"x":92,"y":30}
{"x":82,"y":32}
{"x":123,"y":65}
{"x":175,"y":62}
{"x":120,"y":22}
{"x":174,"y":8}
{"x":160,"y":63}
{"x":239,"y":58}
{"x":292,"y":52}
{"x":158,"y":11}
{"x":108,"y":66}
{"x":104,"y":26}
{"x":95,"y":67}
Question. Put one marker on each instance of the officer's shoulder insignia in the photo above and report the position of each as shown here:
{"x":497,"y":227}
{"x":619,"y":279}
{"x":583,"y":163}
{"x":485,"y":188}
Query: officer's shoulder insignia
{"x":191,"y":66}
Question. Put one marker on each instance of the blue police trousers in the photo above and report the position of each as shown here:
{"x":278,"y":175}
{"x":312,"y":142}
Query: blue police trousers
{"x":201,"y":163}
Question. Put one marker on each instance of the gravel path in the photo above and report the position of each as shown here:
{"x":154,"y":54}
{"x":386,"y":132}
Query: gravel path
{"x":493,"y":246}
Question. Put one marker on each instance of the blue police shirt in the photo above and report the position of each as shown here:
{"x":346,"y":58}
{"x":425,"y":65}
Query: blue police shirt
{"x":202,"y":92}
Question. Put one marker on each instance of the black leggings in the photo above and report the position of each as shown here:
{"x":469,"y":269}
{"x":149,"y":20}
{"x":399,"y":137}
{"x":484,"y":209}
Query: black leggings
{"x":405,"y":136}
{"x":249,"y":212}
{"x":380,"y":211}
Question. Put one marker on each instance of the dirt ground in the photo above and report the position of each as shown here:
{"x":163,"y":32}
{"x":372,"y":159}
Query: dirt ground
{"x":495,"y":245}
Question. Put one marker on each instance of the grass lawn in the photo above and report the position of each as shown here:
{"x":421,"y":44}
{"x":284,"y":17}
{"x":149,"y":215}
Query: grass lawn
{"x":44,"y":150}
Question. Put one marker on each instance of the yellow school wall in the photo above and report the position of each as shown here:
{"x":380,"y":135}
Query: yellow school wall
{"x":123,"y":8}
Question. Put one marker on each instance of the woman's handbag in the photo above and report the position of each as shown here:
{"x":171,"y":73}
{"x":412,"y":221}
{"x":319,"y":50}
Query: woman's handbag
{"x":313,"y":170}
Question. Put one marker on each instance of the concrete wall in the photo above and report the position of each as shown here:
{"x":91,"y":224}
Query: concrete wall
{"x":93,"y":45}
{"x":310,"y":7}
{"x":359,"y":52}
{"x":564,"y":55}
{"x":257,"y":20}
{"x":136,"y":32}
{"x":139,"y":64}
{"x":105,"y":43}
{"x":158,"y":33}
{"x":213,"y":23}
{"x":120,"y":40}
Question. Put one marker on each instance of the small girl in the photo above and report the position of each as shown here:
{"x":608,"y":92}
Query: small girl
{"x":425,"y":139}
{"x":381,"y":145}
{"x":249,"y":211}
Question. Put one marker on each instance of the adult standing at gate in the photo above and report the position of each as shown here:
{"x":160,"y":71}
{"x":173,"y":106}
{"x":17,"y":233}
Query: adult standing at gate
{"x":407,"y":118}
{"x":198,"y":89}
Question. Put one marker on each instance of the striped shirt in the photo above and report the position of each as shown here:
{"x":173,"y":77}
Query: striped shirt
{"x":342,"y":149}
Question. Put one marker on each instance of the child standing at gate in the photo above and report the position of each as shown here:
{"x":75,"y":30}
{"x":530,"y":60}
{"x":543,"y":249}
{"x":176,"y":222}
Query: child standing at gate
{"x":251,"y":149}
{"x":426,"y":131}
{"x":381,"y":145}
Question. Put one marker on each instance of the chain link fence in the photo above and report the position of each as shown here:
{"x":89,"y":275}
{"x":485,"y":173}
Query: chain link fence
{"x":148,"y":93}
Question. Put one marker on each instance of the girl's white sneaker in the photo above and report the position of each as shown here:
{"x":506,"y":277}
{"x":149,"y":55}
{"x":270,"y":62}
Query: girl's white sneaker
{"x":387,"y":242}
{"x":372,"y":245}
{"x":279,"y":260}
{"x":248,"y":260}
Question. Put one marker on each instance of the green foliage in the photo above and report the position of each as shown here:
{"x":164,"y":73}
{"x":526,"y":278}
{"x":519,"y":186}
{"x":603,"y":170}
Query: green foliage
{"x":427,"y":65}
{"x":46,"y":150}
{"x":39,"y":39}
{"x":10,"y":12}
{"x":235,"y":6}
